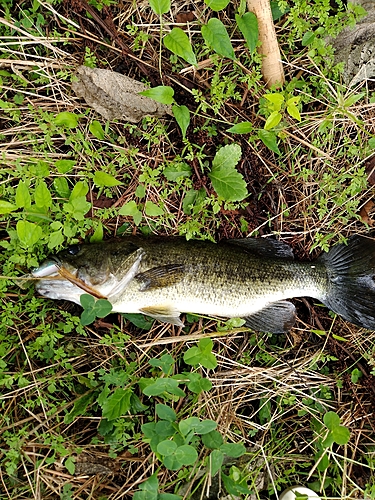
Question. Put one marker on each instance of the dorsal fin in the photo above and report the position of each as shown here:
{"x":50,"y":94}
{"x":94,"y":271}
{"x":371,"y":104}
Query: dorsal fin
{"x":264,"y":247}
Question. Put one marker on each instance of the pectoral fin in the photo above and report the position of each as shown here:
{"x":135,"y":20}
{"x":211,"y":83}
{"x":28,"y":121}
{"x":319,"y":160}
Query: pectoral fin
{"x":159,"y":277}
{"x":278,"y":317}
{"x":164,"y":313}
{"x":125,"y":280}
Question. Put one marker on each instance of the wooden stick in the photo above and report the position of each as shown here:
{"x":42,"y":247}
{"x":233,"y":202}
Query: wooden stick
{"x":272,"y":68}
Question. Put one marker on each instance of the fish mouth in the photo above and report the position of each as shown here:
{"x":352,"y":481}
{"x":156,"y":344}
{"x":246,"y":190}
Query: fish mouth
{"x":56,"y":281}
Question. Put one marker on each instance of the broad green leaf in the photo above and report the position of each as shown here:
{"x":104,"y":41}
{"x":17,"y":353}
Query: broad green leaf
{"x":160,"y":6}
{"x":103,"y":179}
{"x":276,"y":99}
{"x":212,"y":440}
{"x":167,"y":447}
{"x":64,"y":166}
{"x":165,"y":362}
{"x":323,"y":460}
{"x":130,"y":208}
{"x":216,"y":5}
{"x":149,"y":489}
{"x":331,"y":420}
{"x":269,"y":139}
{"x":228,"y":183}
{"x":197,"y":383}
{"x":294,"y":112}
{"x":6,"y":207}
{"x":168,"y":496}
{"x":66,"y":119}
{"x":118,"y":404}
{"x":178,"y":42}
{"x":163,"y":385}
{"x":139,"y":320}
{"x":163,"y":94}
{"x":61,"y":187}
{"x":176,"y":170}
{"x":165,"y":412}
{"x":273,"y":120}
{"x":70,"y":465}
{"x":42,"y":195}
{"x":186,"y":454}
{"x":216,"y":459}
{"x":80,"y":190}
{"x":248,"y":25}
{"x":371,"y":142}
{"x":234,"y":450}
{"x":227,"y":157}
{"x":79,"y":407}
{"x":234,"y":488}
{"x":98,"y":234}
{"x":153,"y":210}
{"x":241,"y":128}
{"x":97,"y":130}
{"x":307,"y":38}
{"x":28,"y":233}
{"x":23,"y":198}
{"x":55,"y":239}
{"x":341,"y":435}
{"x":216,"y":37}
{"x":102,"y":308}
{"x":87,"y":301}
{"x":182,"y":115}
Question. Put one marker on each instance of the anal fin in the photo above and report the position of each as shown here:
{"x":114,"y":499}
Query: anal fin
{"x":164,"y":313}
{"x":278,"y":317}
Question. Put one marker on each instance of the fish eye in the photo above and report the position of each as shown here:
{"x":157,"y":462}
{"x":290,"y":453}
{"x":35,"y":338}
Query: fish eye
{"x":73,"y":249}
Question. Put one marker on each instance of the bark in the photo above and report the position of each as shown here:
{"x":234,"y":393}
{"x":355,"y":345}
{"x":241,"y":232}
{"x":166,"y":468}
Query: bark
{"x":272,"y":68}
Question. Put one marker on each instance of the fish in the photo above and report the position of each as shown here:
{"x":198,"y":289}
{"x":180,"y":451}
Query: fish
{"x":249,"y":278}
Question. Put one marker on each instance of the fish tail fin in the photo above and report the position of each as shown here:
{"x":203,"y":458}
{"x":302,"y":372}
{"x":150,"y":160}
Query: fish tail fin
{"x":351,"y":273}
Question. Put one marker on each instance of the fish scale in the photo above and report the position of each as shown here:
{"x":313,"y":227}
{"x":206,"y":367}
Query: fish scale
{"x":248,"y":278}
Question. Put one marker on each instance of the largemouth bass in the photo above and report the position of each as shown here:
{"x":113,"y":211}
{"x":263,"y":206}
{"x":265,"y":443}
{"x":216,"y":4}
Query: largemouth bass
{"x":249,"y":278}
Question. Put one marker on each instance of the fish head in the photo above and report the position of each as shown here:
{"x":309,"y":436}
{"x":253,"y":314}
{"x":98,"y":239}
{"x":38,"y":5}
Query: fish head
{"x":96,"y":268}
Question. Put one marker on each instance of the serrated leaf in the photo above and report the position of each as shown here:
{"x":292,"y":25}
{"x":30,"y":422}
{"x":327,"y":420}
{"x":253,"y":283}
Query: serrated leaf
{"x":160,"y":6}
{"x":216,"y":5}
{"x":227,"y":157}
{"x":153,"y":210}
{"x":66,"y":119}
{"x":241,"y":128}
{"x":42,"y":195}
{"x":23,"y":198}
{"x":182,"y":115}
{"x":103,"y":179}
{"x":118,"y":404}
{"x":248,"y":25}
{"x":229,"y":184}
{"x":269,"y":139}
{"x":97,"y":130}
{"x":178,"y":42}
{"x":273,"y":120}
{"x":55,"y":239}
{"x":216,"y":37}
{"x":162,"y":94}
